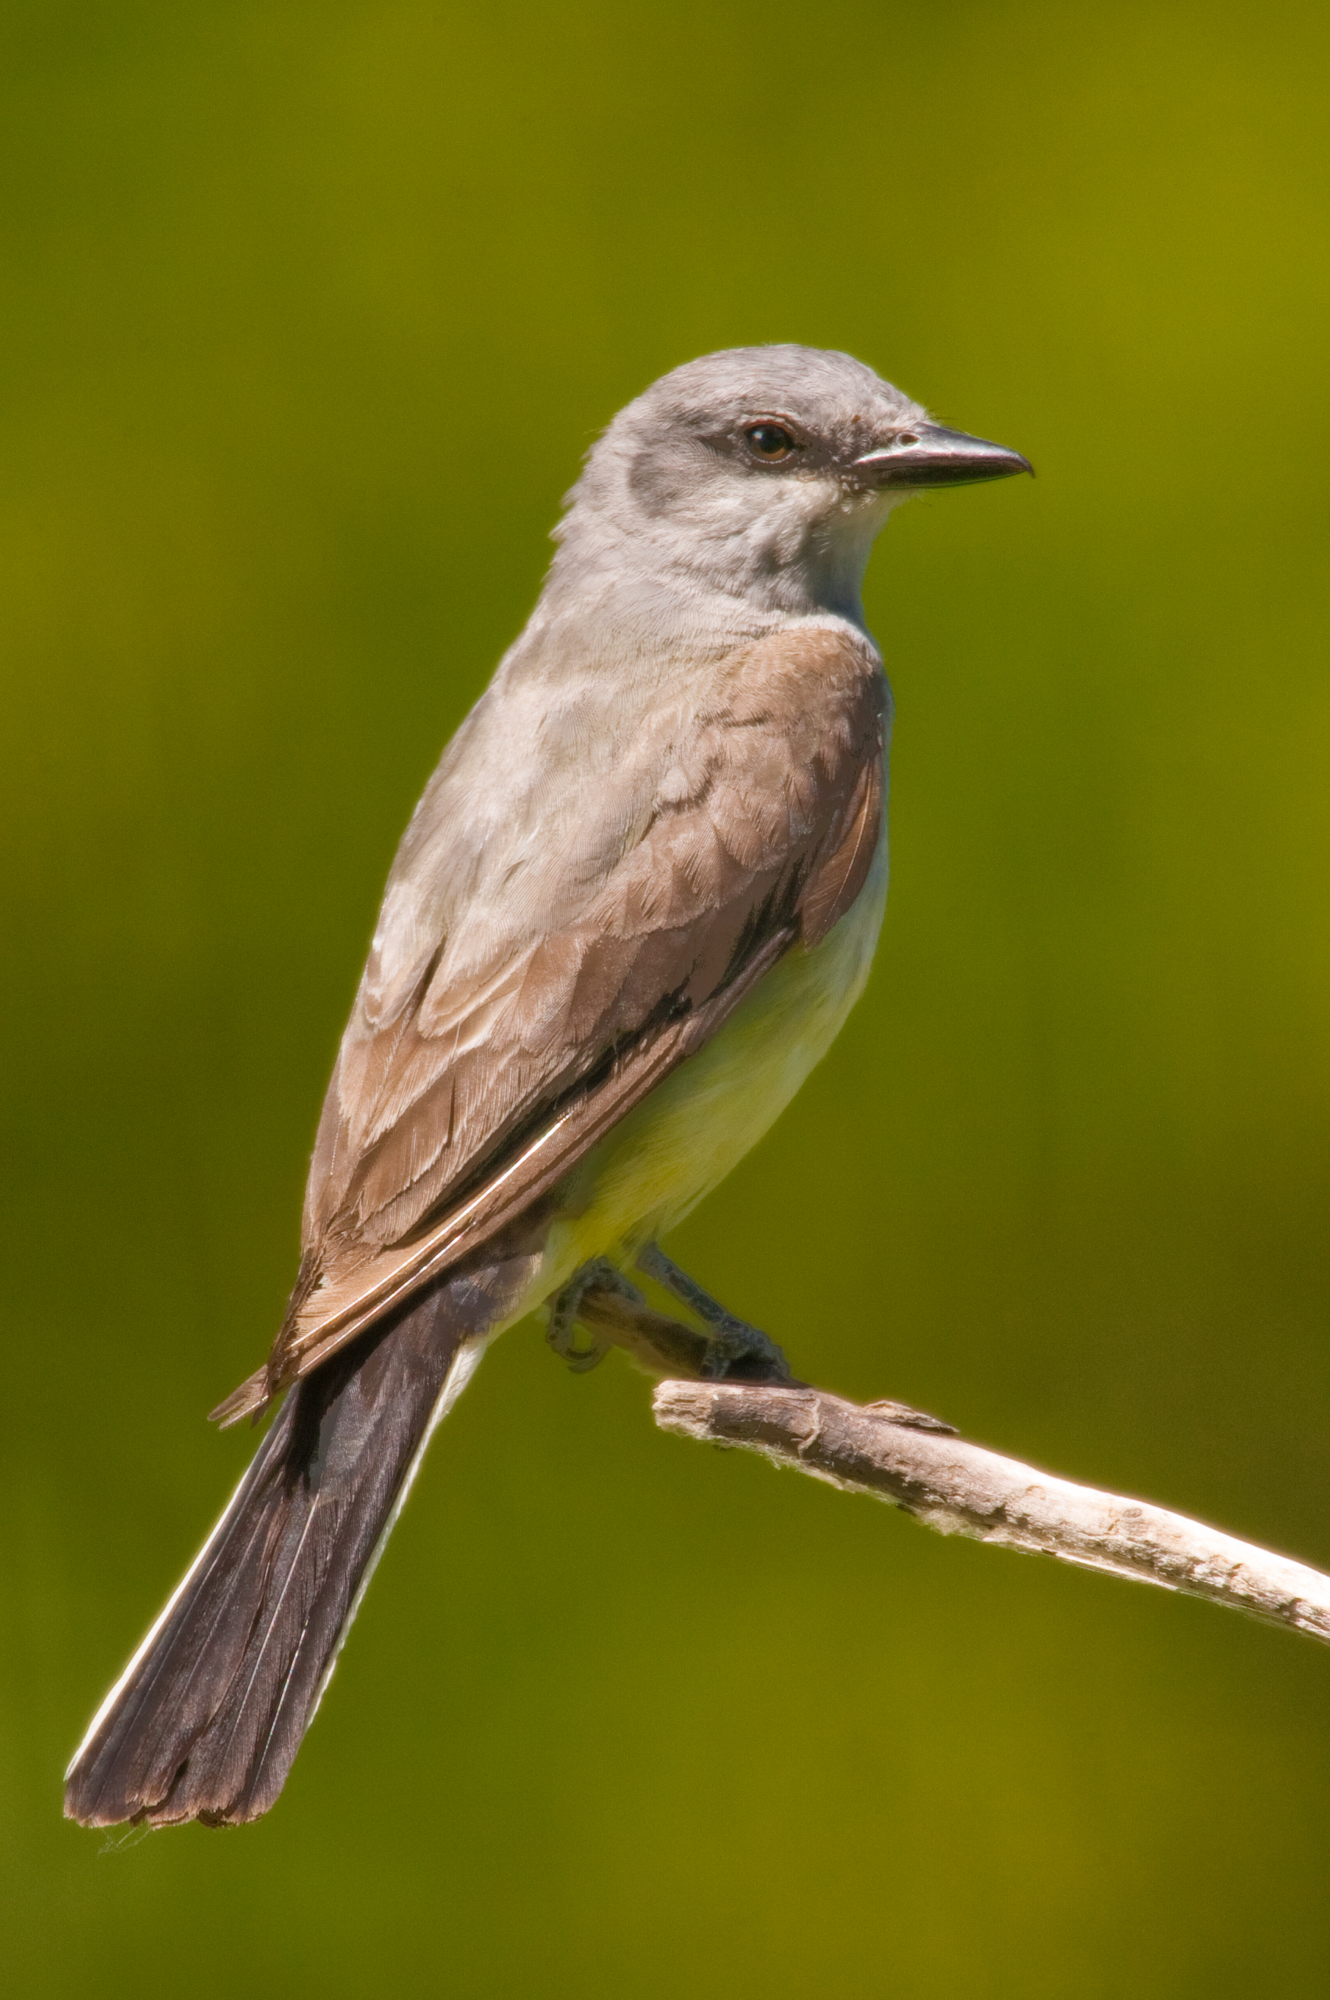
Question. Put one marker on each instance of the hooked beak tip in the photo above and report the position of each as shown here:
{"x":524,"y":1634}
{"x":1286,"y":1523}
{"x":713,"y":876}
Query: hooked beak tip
{"x":931,"y":455}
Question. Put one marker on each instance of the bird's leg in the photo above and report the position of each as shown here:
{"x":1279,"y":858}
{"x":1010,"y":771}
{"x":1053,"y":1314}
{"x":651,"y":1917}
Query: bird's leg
{"x":737,"y":1352}
{"x":598,"y":1274}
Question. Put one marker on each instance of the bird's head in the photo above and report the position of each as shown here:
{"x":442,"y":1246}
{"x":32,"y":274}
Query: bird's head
{"x":767,"y":473}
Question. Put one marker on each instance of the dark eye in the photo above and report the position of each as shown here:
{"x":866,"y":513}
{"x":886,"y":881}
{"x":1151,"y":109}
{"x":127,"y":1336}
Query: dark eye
{"x":769,"y":441}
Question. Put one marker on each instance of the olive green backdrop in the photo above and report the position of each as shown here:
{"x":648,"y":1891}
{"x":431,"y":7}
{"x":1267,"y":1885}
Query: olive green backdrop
{"x":311,"y":308}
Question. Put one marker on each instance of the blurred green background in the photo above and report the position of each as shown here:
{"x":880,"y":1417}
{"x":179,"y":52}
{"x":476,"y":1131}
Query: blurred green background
{"x":310,"y":311}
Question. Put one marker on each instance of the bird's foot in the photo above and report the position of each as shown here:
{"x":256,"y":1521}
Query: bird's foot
{"x":598,"y":1274}
{"x":736,"y":1351}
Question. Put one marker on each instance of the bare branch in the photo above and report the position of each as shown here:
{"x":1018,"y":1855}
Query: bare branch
{"x":661,"y":1345}
{"x":917,"y":1463}
{"x":964,"y":1489}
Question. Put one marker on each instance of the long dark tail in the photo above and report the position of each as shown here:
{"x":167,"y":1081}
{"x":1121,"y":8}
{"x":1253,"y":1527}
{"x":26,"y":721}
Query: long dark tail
{"x":207,"y":1719}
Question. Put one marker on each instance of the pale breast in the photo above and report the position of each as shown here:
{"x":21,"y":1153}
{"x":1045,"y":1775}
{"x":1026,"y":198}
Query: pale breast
{"x":697,"y":1125}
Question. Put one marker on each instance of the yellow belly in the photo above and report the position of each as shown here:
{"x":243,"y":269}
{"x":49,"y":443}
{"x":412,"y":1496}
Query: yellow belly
{"x":670,"y":1151}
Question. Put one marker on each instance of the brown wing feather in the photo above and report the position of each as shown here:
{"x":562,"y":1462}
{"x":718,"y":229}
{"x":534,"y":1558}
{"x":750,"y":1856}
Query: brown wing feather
{"x":449,"y":1120}
{"x":836,"y":883}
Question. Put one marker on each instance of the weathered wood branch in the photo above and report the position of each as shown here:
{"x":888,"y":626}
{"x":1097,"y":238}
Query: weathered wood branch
{"x":963,"y":1489}
{"x":915,"y":1463}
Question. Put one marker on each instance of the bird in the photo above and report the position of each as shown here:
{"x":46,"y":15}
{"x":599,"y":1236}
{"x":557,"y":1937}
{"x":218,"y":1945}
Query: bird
{"x":633,"y":908}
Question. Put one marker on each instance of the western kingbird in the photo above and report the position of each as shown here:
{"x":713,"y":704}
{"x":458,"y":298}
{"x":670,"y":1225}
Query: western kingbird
{"x":633,"y":908}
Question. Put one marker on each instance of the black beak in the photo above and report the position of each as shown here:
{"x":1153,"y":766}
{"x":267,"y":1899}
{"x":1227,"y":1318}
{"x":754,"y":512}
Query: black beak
{"x":928,"y":455}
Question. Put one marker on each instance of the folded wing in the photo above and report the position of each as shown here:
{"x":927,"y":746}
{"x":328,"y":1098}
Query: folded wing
{"x":453,"y":1112}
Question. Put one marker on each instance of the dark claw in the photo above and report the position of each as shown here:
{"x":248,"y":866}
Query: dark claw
{"x":559,"y":1334}
{"x":581,"y":1360}
{"x":563,"y":1313}
{"x":737,"y":1352}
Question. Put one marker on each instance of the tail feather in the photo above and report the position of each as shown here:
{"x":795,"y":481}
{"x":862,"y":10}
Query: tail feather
{"x":207,"y":1718}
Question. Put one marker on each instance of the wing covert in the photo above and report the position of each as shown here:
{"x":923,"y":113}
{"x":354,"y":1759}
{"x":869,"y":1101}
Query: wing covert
{"x":476,"y":1094}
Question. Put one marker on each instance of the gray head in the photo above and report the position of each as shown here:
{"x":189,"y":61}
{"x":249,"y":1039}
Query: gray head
{"x":765,"y":473}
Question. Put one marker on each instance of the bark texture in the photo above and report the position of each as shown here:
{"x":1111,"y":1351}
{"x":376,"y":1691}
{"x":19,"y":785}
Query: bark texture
{"x":913,"y":1462}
